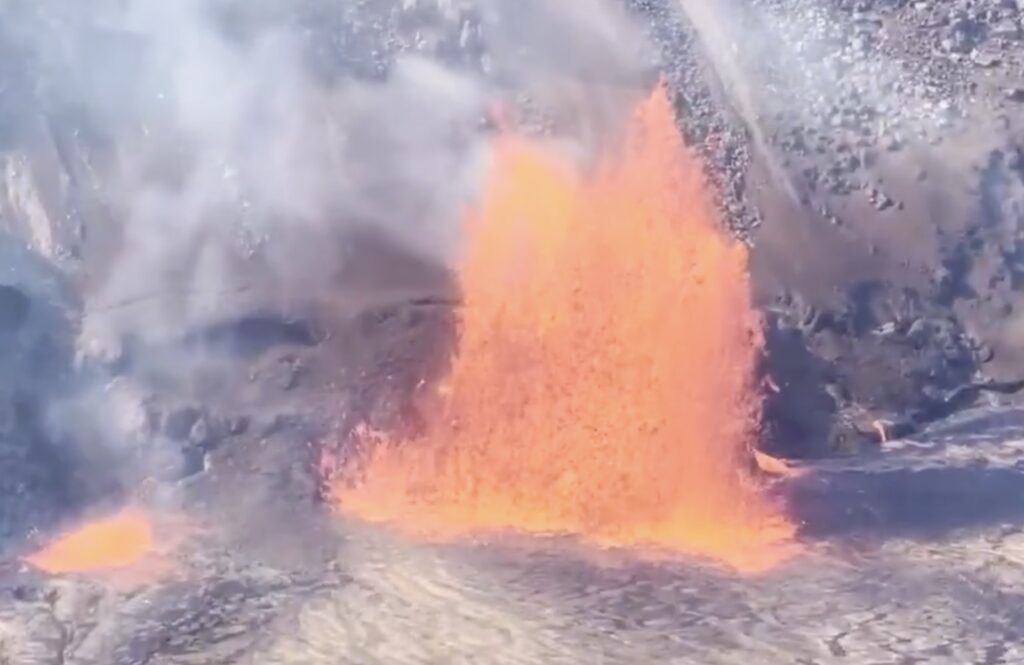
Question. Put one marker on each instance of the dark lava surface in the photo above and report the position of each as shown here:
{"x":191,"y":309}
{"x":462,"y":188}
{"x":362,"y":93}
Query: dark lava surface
{"x":898,"y":565}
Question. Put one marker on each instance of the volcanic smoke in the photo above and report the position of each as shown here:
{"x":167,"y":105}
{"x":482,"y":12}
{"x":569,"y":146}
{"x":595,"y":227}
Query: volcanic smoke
{"x":604,"y":382}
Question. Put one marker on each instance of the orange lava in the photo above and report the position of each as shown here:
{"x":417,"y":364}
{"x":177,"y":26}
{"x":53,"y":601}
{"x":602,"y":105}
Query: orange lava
{"x":120,"y":541}
{"x":603,"y":386}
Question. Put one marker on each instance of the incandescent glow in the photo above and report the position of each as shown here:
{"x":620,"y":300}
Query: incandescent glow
{"x":604,"y":381}
{"x":112,"y":543}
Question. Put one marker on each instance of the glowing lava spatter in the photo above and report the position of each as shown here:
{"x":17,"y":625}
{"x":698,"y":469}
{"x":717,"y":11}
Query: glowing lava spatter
{"x":112,"y":543}
{"x":603,"y":385}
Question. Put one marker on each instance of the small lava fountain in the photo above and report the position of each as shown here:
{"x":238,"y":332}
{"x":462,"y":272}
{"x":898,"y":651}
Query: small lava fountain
{"x":123,"y":544}
{"x":604,"y":382}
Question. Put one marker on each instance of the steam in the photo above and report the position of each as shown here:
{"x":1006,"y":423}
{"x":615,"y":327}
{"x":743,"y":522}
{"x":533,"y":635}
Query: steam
{"x":234,"y":150}
{"x":816,"y":70}
{"x":236,"y":164}
{"x":245,"y":168}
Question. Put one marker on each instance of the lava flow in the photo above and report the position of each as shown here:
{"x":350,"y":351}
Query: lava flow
{"x":116,"y":542}
{"x":604,"y":382}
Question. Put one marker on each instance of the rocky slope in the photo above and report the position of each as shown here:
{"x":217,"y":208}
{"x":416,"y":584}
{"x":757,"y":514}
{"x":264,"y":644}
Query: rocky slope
{"x":870,"y":154}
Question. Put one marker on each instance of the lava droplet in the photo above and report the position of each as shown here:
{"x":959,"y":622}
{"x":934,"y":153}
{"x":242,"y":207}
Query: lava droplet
{"x":604,"y":381}
{"x":116,"y":542}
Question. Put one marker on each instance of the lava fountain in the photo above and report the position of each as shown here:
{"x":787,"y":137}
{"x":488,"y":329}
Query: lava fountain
{"x":117,"y":542}
{"x":604,"y":381}
{"x":113,"y":542}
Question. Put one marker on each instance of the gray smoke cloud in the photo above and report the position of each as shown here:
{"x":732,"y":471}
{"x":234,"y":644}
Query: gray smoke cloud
{"x":238,"y":164}
{"x":246,"y":167}
{"x":221,"y":157}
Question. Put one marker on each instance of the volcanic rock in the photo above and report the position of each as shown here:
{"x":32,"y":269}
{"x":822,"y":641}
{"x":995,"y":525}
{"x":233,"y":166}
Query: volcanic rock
{"x":179,"y":422}
{"x":929,"y":116}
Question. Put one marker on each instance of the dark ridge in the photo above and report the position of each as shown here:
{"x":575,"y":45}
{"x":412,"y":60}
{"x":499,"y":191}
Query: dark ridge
{"x":14,"y":308}
{"x":252,"y":334}
{"x":922,"y":504}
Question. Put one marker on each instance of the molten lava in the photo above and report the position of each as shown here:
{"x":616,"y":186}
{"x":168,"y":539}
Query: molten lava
{"x":112,"y":543}
{"x":603,"y":385}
